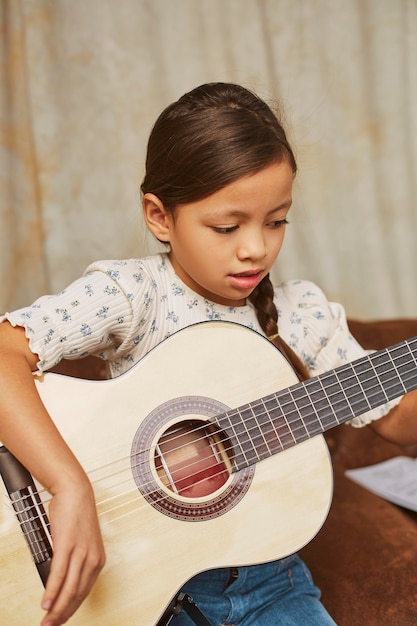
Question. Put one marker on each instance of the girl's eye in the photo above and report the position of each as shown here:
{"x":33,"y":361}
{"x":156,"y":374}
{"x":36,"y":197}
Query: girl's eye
{"x":223,"y":230}
{"x":279,"y":223}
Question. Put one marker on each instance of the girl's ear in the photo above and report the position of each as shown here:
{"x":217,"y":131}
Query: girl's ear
{"x":156,"y":217}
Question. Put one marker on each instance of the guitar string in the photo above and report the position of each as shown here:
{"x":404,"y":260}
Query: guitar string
{"x":133,"y":490}
{"x":219,"y":473}
{"x":298,"y":419}
{"x":125,"y":504}
{"x":272,"y":395}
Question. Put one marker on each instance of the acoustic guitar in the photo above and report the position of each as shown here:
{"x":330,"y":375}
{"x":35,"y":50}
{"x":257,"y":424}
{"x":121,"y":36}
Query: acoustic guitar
{"x":208,"y":453}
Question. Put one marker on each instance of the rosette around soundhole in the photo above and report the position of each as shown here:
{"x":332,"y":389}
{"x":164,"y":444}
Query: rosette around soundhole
{"x":181,"y":463}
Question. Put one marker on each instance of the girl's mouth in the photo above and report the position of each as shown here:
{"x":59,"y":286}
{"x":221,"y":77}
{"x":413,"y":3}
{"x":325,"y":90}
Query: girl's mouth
{"x":246,"y":280}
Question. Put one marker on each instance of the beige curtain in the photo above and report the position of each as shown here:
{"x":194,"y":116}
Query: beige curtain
{"x":82,"y":83}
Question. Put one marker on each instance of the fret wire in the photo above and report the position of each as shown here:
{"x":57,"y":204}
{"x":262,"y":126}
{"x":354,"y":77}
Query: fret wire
{"x":304,"y":404}
{"x":281,"y":423}
{"x":397,"y":370}
{"x":380,"y":385}
{"x":362,"y":396}
{"x":261,"y":430}
{"x":296,"y":439}
{"x":315,"y":414}
{"x":227,"y":417}
{"x":349,"y":389}
{"x":249,"y":440}
{"x":288,"y":417}
{"x":285,"y":416}
{"x":274,"y":430}
{"x":329,"y":405}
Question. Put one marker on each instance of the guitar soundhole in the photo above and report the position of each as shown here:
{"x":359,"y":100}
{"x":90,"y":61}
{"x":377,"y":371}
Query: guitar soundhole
{"x":191,"y":459}
{"x":185,"y":469}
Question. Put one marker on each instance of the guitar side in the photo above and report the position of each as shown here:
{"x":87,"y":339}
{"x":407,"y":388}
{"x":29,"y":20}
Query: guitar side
{"x":151,"y":554}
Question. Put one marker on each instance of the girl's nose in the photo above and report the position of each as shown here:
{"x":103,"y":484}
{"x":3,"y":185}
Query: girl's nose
{"x":252,"y":246}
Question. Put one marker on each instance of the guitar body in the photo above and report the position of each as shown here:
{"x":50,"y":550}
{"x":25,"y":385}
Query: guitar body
{"x":155,"y":538}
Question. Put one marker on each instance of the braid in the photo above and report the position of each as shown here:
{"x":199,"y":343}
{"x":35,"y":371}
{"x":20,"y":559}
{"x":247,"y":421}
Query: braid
{"x":262,"y":299}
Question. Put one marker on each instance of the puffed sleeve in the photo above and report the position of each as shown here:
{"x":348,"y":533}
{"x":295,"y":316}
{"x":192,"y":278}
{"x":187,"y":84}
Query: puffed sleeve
{"x":93,"y":315}
{"x":317,"y":331}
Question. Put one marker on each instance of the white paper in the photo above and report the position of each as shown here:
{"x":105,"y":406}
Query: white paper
{"x":395,"y":480}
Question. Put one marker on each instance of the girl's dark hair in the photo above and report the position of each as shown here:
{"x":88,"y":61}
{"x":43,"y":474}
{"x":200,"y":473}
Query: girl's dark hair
{"x":209,"y":138}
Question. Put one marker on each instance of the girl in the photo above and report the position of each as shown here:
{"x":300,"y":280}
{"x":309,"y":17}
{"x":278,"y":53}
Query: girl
{"x":217,"y":191}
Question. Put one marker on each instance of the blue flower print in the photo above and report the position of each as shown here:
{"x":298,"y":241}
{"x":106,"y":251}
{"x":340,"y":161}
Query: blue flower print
{"x":49,"y":336}
{"x":192,"y":303}
{"x":342,"y":353}
{"x":319,"y":315}
{"x":309,"y":361}
{"x":85,"y":330}
{"x":212,"y":314}
{"x":293,"y":341}
{"x":138,"y":277}
{"x":111,"y":291}
{"x":295,"y":319}
{"x":113,"y":273}
{"x":89,"y":291}
{"x":177,"y":290}
{"x":138,"y":339}
{"x":172,"y":316}
{"x":66,"y":317}
{"x":102,"y":313}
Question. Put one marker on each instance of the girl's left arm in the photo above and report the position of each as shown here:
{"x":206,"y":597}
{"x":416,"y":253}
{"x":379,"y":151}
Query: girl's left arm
{"x":400,"y":424}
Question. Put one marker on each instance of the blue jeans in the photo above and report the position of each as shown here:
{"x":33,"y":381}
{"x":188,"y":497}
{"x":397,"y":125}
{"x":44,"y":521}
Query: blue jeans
{"x":280,"y":593}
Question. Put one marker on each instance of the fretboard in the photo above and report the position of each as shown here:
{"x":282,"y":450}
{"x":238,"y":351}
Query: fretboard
{"x":281,"y":420}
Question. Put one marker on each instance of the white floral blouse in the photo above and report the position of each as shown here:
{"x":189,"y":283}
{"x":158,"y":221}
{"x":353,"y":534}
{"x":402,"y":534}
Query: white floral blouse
{"x":121,"y":309}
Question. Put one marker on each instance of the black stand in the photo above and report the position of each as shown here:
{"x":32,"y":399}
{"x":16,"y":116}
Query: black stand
{"x":184,"y":602}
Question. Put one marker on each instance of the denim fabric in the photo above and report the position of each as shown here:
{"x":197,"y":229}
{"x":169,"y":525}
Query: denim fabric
{"x":280,"y":593}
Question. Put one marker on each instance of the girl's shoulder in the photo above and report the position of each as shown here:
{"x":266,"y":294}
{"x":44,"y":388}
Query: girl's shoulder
{"x":300,"y":294}
{"x":312,"y":325}
{"x":132,"y":271}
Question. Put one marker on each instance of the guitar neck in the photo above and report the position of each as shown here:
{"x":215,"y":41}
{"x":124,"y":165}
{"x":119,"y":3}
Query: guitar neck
{"x":281,"y":420}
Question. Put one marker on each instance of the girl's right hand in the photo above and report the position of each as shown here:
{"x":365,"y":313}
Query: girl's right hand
{"x":78,"y":552}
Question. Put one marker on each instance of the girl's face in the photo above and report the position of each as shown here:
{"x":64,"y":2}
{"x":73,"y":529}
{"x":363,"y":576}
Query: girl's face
{"x":224,"y":245}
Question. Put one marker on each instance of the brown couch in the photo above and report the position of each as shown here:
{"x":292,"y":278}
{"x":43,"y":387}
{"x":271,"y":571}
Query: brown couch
{"x":364,"y":559}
